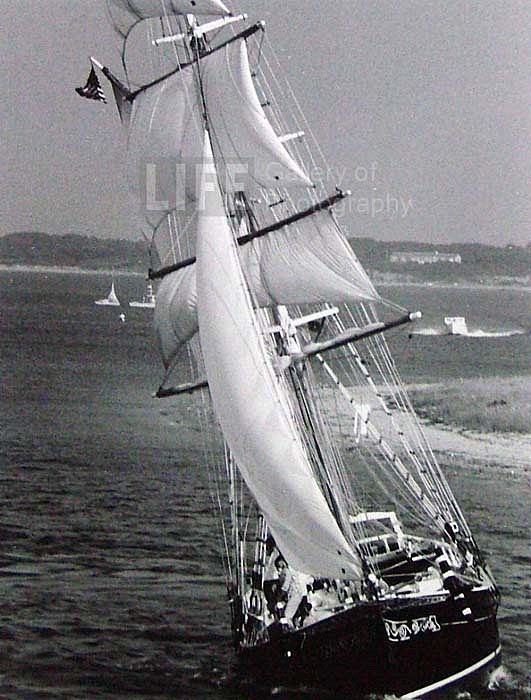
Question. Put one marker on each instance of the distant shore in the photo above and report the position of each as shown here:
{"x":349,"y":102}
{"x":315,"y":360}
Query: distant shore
{"x":457,"y":285}
{"x":485,"y":420}
{"x":51,"y":269}
{"x":481,"y":450}
{"x":494,"y":405}
{"x":518,"y":284}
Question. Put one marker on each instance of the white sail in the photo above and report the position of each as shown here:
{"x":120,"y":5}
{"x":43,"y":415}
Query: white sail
{"x":164,"y":146}
{"x":250,"y":405}
{"x":111,"y":299}
{"x":175,"y":315}
{"x":164,"y":135}
{"x":126,"y":13}
{"x":248,"y":152}
{"x":307,"y":263}
{"x":288,"y":459}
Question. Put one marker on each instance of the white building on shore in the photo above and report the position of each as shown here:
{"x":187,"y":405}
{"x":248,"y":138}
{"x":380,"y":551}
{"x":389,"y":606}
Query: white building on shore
{"x":424,"y":258}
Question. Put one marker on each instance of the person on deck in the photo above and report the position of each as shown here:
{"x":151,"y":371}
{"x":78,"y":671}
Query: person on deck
{"x":292,"y":605}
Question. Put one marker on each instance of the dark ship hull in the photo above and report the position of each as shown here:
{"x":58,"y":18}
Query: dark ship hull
{"x":408,"y":648}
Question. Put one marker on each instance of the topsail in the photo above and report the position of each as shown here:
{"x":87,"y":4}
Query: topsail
{"x":307,"y":264}
{"x":249,"y":153}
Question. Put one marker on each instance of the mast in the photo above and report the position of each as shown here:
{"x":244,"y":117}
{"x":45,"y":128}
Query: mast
{"x":297,"y":372}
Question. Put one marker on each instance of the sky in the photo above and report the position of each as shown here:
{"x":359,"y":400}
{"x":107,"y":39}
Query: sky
{"x":422,"y":108}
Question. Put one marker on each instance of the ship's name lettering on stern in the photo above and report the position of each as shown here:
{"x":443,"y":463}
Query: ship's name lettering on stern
{"x":403,"y":630}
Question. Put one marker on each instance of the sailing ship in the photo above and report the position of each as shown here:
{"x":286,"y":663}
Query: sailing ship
{"x":110,"y":300}
{"x":148,"y":299}
{"x":349,"y":564}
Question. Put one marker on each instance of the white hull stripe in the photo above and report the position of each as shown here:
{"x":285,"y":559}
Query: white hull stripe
{"x":461,"y":674}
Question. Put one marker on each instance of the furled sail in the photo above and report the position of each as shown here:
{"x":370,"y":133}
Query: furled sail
{"x":253,"y":411}
{"x":126,"y":13}
{"x":248,"y":153}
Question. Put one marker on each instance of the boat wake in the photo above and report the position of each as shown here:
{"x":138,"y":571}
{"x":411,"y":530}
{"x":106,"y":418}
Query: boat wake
{"x":493,"y":334}
{"x":469,"y":334}
{"x":502,"y":683}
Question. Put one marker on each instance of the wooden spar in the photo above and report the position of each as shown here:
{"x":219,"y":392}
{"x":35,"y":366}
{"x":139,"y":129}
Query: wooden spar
{"x":123,"y":89}
{"x":181,"y":389}
{"x":351,"y":335}
{"x":199,"y":30}
{"x":242,"y":240}
{"x":159,"y":274}
{"x":242,"y":35}
{"x":325,"y":204}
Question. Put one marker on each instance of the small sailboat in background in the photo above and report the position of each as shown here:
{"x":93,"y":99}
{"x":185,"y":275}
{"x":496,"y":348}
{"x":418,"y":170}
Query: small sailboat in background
{"x":110,"y":300}
{"x":349,"y":563}
{"x":148,"y":299}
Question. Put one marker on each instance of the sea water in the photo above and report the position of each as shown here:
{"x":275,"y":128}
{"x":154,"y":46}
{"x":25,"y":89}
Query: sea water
{"x":111,"y":584}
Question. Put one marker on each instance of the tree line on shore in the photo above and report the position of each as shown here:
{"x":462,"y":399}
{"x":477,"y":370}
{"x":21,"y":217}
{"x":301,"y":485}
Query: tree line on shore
{"x":479,"y":262}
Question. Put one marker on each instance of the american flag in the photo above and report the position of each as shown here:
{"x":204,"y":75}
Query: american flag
{"x":92,"y":89}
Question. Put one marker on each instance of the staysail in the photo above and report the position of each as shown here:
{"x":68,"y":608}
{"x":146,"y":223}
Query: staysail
{"x":245,"y":391}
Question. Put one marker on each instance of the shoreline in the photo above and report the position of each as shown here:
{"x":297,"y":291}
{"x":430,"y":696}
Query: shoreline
{"x":494,"y":398}
{"x":507,"y":451}
{"x":452,"y":285}
{"x":494,"y":405}
{"x":65,"y":269}
{"x":446,"y":431}
{"x":68,"y":270}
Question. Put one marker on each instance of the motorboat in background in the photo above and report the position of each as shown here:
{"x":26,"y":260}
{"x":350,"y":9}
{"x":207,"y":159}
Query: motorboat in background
{"x":148,"y":299}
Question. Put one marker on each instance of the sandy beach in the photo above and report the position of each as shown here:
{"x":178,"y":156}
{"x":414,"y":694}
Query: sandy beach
{"x":481,"y":449}
{"x":504,"y":405}
{"x":446,"y":430}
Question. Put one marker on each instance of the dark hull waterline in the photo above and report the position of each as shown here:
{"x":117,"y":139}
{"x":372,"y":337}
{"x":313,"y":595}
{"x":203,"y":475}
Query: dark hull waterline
{"x":408,"y":648}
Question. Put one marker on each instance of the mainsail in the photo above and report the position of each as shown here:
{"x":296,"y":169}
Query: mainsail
{"x":245,"y":391}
